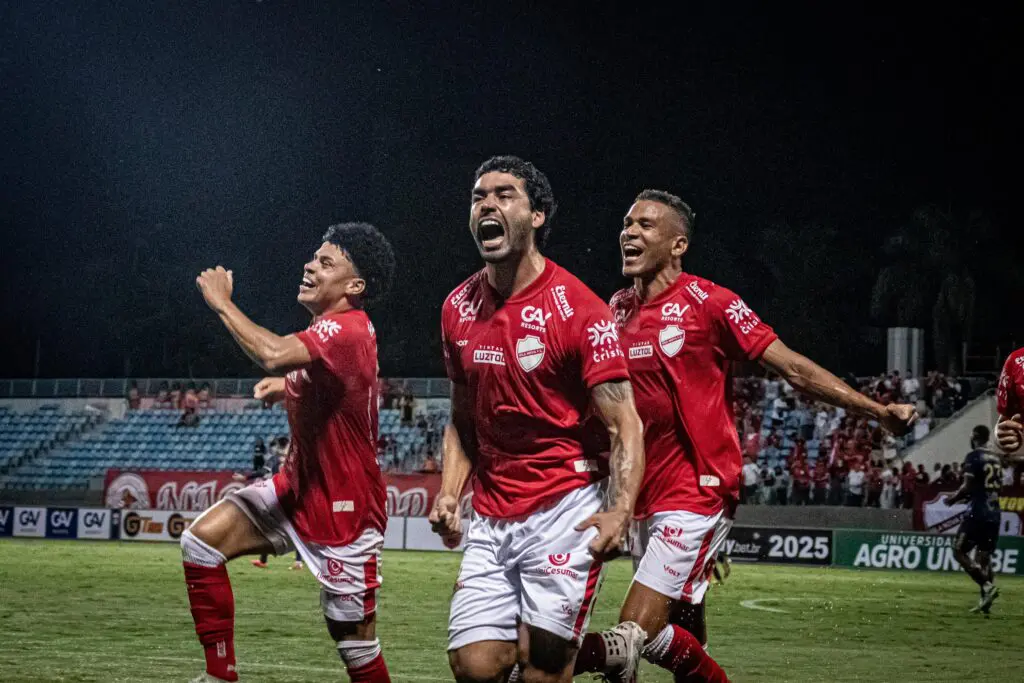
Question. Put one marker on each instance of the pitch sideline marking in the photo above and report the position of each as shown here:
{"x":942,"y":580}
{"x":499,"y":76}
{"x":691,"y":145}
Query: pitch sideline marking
{"x":755,"y":604}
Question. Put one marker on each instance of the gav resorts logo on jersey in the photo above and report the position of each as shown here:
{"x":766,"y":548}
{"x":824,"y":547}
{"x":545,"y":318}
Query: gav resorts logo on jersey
{"x":671,"y":339}
{"x":534,"y":318}
{"x":468,"y":310}
{"x":529,"y":352}
{"x":673,"y":312}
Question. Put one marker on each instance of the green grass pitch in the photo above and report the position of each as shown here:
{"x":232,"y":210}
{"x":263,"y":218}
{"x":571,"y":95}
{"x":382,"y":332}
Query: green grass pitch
{"x":86,"y":611}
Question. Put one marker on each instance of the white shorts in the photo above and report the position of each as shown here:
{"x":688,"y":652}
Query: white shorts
{"x":536,"y":569}
{"x":674,"y":552}
{"x":349,"y":575}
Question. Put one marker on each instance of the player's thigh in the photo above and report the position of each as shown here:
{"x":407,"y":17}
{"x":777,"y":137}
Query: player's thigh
{"x":680,"y":554}
{"x":483,"y":661}
{"x":229,"y":530}
{"x":486,"y":596}
{"x":560,"y":577}
{"x":365,"y":629}
{"x":545,"y":657}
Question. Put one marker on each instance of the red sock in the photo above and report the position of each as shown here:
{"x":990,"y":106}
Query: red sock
{"x":213,"y":610}
{"x":681,"y":653}
{"x":591,"y":656}
{"x":374,"y":672}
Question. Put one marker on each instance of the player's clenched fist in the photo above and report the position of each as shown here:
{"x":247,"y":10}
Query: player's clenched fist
{"x":270,"y":390}
{"x":611,"y":537}
{"x":1010,"y":434}
{"x":446,"y":521}
{"x":216,"y":285}
{"x":899,"y":418}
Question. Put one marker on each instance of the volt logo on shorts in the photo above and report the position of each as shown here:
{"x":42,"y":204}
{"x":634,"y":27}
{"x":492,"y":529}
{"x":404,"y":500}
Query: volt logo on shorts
{"x":558,"y":562}
{"x":671,"y":572}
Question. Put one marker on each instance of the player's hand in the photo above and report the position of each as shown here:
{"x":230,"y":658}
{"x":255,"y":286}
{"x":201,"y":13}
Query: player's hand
{"x":899,"y":418}
{"x":216,"y":285}
{"x":1010,"y":434}
{"x":611,"y":537}
{"x":270,"y":390}
{"x":446,"y":521}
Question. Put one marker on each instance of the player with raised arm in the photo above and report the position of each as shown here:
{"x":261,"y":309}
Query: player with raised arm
{"x":983,"y":477}
{"x":328,"y":501}
{"x":531,"y":353}
{"x":681,"y":333}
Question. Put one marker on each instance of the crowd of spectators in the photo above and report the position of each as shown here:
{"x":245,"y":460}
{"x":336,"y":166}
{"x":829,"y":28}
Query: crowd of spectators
{"x":190,"y":400}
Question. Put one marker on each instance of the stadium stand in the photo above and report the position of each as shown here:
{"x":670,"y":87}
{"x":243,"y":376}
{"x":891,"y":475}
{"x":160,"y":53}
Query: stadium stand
{"x":27,"y":439}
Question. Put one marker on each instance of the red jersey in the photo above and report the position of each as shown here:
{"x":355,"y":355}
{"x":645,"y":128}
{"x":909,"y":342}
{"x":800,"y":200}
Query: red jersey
{"x":1010,"y":391}
{"x":528,"y":363}
{"x":331,"y":486}
{"x":679,"y":347}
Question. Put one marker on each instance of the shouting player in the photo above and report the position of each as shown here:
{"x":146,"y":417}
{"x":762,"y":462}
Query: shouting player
{"x":680,"y":334}
{"x":531,"y":353}
{"x":983,"y":477}
{"x":328,"y":501}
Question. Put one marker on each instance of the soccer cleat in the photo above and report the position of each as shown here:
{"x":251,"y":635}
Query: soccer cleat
{"x":623,"y":644}
{"x":296,"y":565}
{"x":207,"y":678}
{"x":989,"y":593}
{"x":259,"y":563}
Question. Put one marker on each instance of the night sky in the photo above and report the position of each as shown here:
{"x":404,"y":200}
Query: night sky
{"x":142,"y":144}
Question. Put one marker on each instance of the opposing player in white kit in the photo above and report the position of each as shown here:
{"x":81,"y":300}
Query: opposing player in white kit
{"x":531,"y":353}
{"x":328,"y":501}
{"x":681,"y":333}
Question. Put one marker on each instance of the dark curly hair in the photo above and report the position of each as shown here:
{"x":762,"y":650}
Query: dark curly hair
{"x":538,"y":189}
{"x":671,"y":200}
{"x":371,"y":254}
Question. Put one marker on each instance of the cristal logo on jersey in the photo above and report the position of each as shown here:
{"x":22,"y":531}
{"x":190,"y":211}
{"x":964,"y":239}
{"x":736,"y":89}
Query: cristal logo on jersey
{"x":529,"y":352}
{"x":673,"y":312}
{"x":601,"y":333}
{"x":468,"y":311}
{"x":741,"y":316}
{"x":559,"y":559}
{"x":671,"y":339}
{"x":326,"y":328}
{"x":534,"y":318}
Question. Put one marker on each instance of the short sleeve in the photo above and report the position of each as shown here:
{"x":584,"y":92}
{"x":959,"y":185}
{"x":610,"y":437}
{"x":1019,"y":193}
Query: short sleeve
{"x":334,"y":342}
{"x":596,"y":339}
{"x":452,"y":360}
{"x":742,"y":334}
{"x":1008,"y":401}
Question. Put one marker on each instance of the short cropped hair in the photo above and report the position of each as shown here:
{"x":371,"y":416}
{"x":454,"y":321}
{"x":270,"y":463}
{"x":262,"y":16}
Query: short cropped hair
{"x":371,"y":254}
{"x":538,"y":189}
{"x":671,"y":200}
{"x":980,"y":435}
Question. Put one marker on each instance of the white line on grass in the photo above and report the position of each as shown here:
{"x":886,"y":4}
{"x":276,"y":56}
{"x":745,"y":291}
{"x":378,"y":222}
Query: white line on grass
{"x":286,"y":667}
{"x":756,"y":603}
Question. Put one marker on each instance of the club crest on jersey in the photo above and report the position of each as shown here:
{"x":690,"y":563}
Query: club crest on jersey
{"x":529,"y":352}
{"x":671,"y":339}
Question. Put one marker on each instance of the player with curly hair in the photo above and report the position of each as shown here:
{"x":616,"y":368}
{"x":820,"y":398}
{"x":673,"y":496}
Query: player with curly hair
{"x":328,"y":501}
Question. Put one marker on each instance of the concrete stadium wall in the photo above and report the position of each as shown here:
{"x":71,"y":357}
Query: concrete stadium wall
{"x":951,"y":441}
{"x":824,"y":517}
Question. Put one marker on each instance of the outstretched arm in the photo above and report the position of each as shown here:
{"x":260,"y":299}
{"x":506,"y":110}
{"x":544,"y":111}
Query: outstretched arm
{"x":613,"y":403}
{"x":274,"y":353}
{"x":458,"y":456}
{"x":811,"y":379}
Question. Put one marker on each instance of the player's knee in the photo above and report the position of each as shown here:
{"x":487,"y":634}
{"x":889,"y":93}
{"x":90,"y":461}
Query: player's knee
{"x":196,"y":551}
{"x":479,"y":665}
{"x":548,"y":658}
{"x":356,"y":654}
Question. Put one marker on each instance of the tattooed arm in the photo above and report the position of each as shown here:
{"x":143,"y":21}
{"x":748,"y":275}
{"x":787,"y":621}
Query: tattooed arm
{"x":613,"y":403}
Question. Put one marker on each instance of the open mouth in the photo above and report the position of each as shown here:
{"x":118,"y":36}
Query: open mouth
{"x":631,"y":252}
{"x":306,"y":285}
{"x":490,"y":233}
